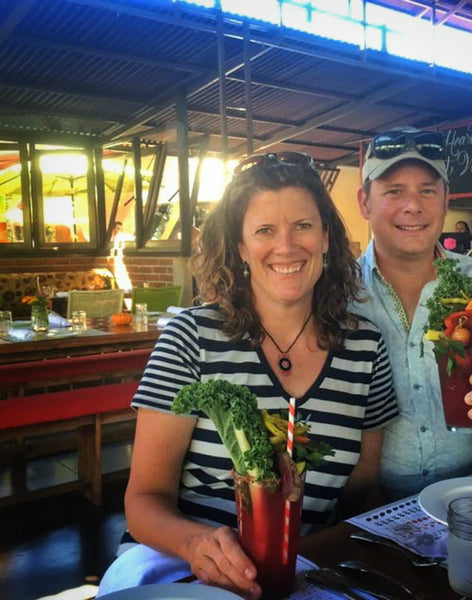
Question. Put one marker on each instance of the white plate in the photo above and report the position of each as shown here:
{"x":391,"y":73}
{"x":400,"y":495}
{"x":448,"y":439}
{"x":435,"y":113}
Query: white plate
{"x":171,"y":591}
{"x":435,"y":498}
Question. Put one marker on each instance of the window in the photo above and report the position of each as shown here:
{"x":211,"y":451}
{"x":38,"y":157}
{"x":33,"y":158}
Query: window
{"x":12,"y":230}
{"x":75,"y":198}
{"x":63,"y":197}
{"x":120,"y":201}
{"x":47,"y":197}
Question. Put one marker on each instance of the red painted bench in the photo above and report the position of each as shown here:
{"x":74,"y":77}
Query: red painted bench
{"x":99,"y":390}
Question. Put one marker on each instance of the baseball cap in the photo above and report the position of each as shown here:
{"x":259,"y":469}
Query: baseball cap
{"x":389,"y":148}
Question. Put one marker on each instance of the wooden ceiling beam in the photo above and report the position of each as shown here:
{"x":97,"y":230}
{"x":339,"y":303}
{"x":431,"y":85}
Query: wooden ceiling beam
{"x":301,"y":89}
{"x":332,"y":114}
{"x":192,"y":108}
{"x":99,"y":52}
{"x":45,"y":113}
{"x":162,"y":17}
{"x":56,"y":90}
{"x":50,"y":137}
{"x":192,"y":85}
{"x":296,"y":88}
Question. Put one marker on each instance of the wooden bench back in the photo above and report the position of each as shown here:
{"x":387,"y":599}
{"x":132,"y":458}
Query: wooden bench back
{"x":72,"y":367}
{"x":95,"y":384}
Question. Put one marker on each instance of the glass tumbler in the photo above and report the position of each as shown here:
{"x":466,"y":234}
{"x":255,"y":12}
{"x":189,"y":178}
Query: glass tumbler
{"x":5,"y":321}
{"x":79,"y":320}
{"x":459,"y":520}
{"x":141,"y":316}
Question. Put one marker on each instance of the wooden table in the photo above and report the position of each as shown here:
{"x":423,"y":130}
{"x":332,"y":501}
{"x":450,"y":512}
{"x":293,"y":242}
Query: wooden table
{"x":326,"y":548}
{"x":118,"y":338}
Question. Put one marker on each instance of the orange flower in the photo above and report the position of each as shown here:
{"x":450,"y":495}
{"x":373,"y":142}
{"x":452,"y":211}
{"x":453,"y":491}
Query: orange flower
{"x":35,"y":300}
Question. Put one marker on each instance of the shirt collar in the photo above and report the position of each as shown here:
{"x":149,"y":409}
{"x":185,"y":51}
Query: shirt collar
{"x":439,"y":251}
{"x":371,"y":259}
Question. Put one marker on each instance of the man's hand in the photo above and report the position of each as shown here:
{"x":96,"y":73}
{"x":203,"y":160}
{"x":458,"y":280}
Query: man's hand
{"x":468,"y":400}
{"x":216,"y":558}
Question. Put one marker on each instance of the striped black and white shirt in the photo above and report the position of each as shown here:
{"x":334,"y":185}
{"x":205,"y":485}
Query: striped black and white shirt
{"x":352,"y":393}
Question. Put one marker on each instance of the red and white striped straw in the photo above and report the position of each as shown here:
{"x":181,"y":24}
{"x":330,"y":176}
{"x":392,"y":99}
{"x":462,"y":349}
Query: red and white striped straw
{"x":290,"y":430}
{"x":291,"y":426}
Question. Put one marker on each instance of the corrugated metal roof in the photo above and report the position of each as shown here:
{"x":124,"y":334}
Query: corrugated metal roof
{"x":106,"y":70}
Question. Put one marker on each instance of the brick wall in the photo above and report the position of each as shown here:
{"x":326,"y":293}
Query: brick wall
{"x":149,"y":269}
{"x":55,"y":263}
{"x":139,"y":270}
{"x":154,"y":270}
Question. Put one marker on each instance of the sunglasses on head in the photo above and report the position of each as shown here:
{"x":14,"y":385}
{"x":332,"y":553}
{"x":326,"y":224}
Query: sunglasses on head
{"x":392,"y":143}
{"x":275,"y":158}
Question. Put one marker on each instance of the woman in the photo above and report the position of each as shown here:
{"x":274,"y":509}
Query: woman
{"x":462,"y":227}
{"x":275,"y":274}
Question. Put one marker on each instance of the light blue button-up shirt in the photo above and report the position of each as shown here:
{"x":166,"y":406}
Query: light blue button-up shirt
{"x":418,"y":449}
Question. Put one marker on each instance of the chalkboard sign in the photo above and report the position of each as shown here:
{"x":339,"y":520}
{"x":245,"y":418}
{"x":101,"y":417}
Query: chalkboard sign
{"x":459,"y":159}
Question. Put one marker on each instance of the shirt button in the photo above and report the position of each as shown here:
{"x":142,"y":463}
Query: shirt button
{"x":423,"y":429}
{"x":411,"y":344}
{"x":425,"y":471}
{"x":417,"y":386}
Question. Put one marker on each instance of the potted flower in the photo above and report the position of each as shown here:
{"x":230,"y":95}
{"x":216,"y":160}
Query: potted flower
{"x":39,"y":310}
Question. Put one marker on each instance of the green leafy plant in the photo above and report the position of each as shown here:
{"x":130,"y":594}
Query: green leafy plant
{"x":233,"y":410}
{"x":253,"y":438}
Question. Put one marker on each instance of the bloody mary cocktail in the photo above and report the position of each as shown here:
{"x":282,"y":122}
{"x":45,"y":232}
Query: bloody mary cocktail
{"x":454,"y":386}
{"x":269,"y":463}
{"x":260,"y":508}
{"x":449,"y":328}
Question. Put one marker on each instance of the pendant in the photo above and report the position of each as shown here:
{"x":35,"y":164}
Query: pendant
{"x":285,"y":364}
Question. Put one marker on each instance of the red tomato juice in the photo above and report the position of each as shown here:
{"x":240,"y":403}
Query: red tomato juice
{"x":453,"y":389}
{"x":260,"y":510}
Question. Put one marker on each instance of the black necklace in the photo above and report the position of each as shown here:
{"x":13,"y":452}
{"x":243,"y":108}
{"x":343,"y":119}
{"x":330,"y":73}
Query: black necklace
{"x":285,"y":364}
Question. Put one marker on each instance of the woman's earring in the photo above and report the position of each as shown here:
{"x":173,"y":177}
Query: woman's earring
{"x":325,"y":260}
{"x":246,"y":271}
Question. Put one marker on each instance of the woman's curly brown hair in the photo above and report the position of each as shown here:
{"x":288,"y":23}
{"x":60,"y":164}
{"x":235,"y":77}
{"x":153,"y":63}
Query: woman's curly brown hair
{"x":219,"y":271}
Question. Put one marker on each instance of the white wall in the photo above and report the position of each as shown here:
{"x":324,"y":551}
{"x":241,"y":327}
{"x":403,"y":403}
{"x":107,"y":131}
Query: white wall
{"x":454,"y":215}
{"x":344,"y":195}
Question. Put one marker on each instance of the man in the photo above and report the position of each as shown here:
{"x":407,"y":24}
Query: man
{"x":404,"y":196}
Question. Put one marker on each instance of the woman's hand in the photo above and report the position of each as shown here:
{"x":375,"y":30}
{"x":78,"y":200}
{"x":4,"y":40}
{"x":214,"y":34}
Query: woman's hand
{"x":216,"y":558}
{"x":153,"y":517}
{"x":468,"y":400}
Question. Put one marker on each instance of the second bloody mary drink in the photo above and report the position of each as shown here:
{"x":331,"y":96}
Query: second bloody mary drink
{"x":450,"y":330}
{"x":454,"y":386}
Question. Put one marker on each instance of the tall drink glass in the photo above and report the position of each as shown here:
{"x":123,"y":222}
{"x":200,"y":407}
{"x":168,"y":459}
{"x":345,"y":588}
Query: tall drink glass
{"x":260,"y":509}
{"x":459,"y":519}
{"x":454,"y":387}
